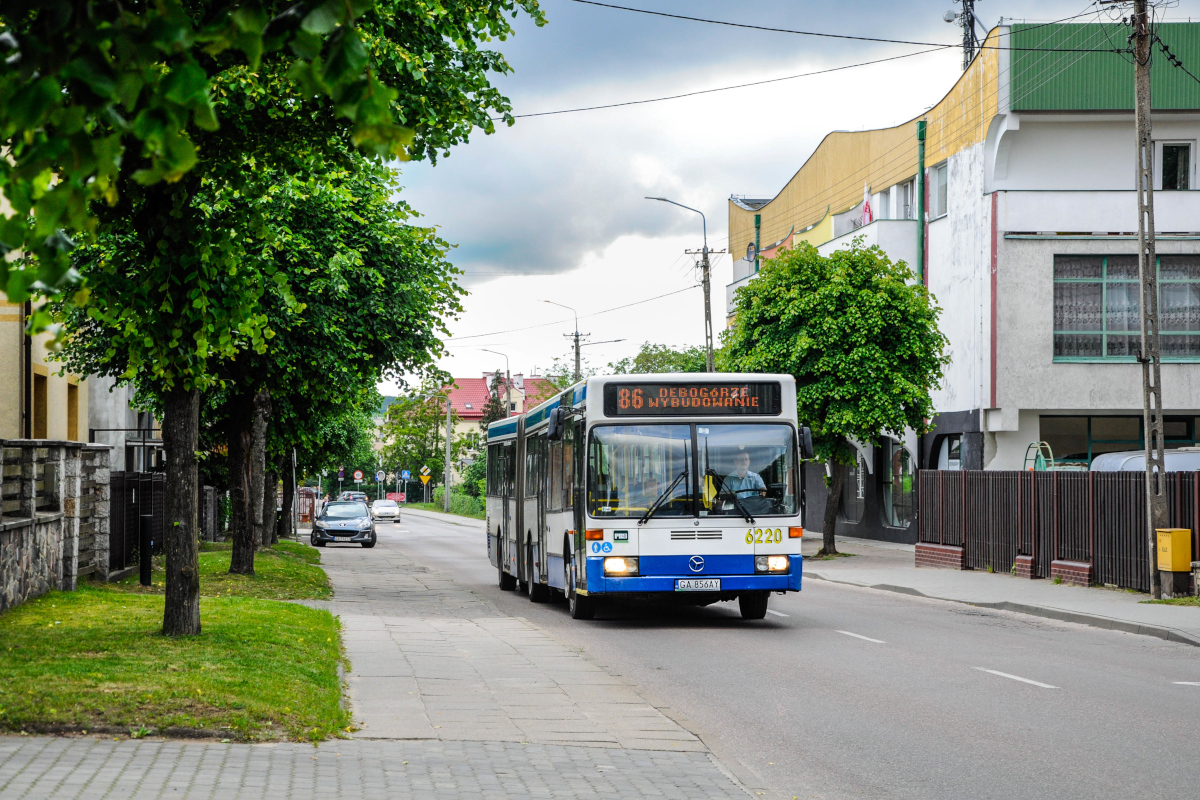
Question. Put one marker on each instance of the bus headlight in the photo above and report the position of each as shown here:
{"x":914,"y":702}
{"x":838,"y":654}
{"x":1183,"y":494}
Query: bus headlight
{"x":771,"y":564}
{"x":621,"y":566}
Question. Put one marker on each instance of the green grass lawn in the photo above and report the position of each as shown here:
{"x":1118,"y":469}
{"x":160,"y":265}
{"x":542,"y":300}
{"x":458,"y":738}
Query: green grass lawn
{"x":475,"y":510}
{"x":95,"y":658}
{"x":288,"y":571}
{"x":261,"y":669}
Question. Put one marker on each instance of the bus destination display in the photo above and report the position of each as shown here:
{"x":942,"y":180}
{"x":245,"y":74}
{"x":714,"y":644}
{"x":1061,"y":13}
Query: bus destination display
{"x":704,"y":398}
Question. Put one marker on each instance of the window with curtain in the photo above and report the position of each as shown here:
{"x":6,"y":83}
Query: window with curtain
{"x":1097,"y":315}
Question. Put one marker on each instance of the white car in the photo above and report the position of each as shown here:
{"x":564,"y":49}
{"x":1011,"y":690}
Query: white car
{"x":386,"y":510}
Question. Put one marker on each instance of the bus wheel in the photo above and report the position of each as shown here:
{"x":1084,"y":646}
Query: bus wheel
{"x":753,"y":604}
{"x":506,"y":582}
{"x":582,"y":607}
{"x":538,"y":592}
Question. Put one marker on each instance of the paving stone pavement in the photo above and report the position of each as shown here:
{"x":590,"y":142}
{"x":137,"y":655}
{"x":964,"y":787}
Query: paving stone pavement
{"x":453,"y":699}
{"x":46,"y":768}
{"x":432,"y":660}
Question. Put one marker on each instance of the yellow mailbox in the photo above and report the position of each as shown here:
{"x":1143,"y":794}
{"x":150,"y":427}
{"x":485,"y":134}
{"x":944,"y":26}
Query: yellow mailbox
{"x":1174,"y":549}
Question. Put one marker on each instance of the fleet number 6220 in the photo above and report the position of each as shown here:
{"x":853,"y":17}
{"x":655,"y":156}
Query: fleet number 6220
{"x":764,"y":535}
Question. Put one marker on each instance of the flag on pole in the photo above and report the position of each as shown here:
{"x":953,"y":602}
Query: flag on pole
{"x":867,"y":216}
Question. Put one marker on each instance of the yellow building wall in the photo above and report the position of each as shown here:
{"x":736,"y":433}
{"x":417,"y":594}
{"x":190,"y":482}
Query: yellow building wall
{"x":833,"y":176}
{"x":12,"y":386}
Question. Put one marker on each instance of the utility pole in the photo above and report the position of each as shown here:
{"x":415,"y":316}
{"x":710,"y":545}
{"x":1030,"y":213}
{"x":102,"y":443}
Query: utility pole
{"x":709,"y":365}
{"x":576,"y":335}
{"x":705,"y":273}
{"x":966,"y":18}
{"x":1151,"y":355}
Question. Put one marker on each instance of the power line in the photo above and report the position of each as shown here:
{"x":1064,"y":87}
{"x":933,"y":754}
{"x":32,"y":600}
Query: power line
{"x":1174,"y":59}
{"x":728,"y":88}
{"x":581,"y":316}
{"x":820,"y":34}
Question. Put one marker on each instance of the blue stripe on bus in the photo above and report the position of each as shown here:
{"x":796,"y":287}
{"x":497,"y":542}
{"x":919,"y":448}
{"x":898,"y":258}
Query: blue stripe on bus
{"x":504,"y":428}
{"x":659,"y":573}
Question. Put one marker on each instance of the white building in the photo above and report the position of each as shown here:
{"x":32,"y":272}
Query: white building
{"x":1029,"y":249}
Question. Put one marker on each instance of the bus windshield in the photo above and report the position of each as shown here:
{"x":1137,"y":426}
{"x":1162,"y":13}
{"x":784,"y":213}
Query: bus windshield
{"x":754,"y":463}
{"x":631,"y":466}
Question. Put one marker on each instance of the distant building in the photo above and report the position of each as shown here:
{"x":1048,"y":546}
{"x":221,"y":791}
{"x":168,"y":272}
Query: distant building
{"x":1029,"y":225}
{"x":35,"y":402}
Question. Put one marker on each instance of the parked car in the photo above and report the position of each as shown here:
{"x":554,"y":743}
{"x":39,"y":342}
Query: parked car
{"x":386,"y":509}
{"x":1179,"y":459}
{"x":358,"y":497}
{"x":344,"y":521}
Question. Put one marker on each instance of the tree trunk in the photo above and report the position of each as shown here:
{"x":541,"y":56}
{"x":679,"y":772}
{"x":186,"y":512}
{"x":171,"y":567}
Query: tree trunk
{"x":241,"y":560}
{"x":258,"y":463}
{"x":270,"y":499}
{"x":181,"y":543}
{"x":833,"y":503}
{"x":284,"y":529}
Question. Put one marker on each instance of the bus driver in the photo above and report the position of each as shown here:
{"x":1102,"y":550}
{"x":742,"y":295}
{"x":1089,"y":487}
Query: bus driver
{"x":742,"y":481}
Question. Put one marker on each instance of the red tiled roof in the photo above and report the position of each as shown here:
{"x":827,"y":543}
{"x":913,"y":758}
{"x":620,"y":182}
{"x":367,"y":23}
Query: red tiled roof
{"x":469,"y":390}
{"x":476,"y":392}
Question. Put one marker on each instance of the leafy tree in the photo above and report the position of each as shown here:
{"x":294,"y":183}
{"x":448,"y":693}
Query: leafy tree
{"x":474,"y":475}
{"x":496,"y":406}
{"x":414,"y":433}
{"x":860,"y":338}
{"x":661,"y":358}
{"x":94,"y":95}
{"x":177,"y":289}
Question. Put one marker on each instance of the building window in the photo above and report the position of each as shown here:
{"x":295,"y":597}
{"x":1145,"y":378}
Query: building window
{"x":1097,"y":315}
{"x":73,"y":412}
{"x":854,"y":503}
{"x":467,"y":405}
{"x":1077,"y":440}
{"x":899,"y":485}
{"x":41,"y":412}
{"x":938,"y":195}
{"x":950,"y":453}
{"x":1176,"y":167}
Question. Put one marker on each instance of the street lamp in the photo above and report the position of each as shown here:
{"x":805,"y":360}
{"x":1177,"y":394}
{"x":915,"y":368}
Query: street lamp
{"x":704,"y":267}
{"x":578,"y":372}
{"x":507,"y":381}
{"x":446,"y":493}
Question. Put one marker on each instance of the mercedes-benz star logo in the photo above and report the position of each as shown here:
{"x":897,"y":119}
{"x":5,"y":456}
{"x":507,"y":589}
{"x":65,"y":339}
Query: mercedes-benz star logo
{"x":696,"y":564}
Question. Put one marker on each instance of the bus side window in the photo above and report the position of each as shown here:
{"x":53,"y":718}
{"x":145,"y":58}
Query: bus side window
{"x":568,"y":495}
{"x":492,"y":457}
{"x":533,"y":465}
{"x":556,"y":476}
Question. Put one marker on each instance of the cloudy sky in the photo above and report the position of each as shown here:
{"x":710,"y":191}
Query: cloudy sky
{"x":552,"y":208}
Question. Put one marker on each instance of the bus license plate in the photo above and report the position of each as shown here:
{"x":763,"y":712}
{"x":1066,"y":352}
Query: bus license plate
{"x":698,"y":585}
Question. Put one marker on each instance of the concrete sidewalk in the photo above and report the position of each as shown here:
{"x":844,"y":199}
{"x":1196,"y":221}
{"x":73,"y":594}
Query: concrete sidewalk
{"x":890,"y":567}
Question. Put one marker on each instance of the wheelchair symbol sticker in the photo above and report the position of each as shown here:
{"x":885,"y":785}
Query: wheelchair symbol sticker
{"x":598,"y":547}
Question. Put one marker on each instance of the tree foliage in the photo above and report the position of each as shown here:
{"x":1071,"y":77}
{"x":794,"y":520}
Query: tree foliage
{"x":496,"y":406}
{"x":414,"y":433}
{"x":860,"y":338}
{"x":93,"y":95}
{"x":660,"y":358}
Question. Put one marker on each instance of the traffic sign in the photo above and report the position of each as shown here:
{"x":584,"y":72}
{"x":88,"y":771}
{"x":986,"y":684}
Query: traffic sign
{"x":405,"y":475}
{"x":358,"y":476}
{"x":424,"y":479}
{"x":379,"y":475}
{"x":341,"y":474}
{"x":424,"y":470}
{"x":401,"y":498}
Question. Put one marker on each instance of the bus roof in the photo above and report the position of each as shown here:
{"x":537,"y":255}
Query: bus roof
{"x":576,"y":396}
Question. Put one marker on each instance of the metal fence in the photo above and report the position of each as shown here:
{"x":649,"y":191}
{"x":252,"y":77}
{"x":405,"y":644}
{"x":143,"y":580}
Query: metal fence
{"x":1096,"y":518}
{"x":132,"y":496}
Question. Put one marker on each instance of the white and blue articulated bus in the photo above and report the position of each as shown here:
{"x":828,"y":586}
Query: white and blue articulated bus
{"x":635,"y":487}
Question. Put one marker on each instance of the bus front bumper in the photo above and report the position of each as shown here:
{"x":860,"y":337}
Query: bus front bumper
{"x":651,"y":581}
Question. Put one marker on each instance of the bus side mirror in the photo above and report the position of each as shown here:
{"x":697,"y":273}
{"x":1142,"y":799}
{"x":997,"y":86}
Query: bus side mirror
{"x":558,"y":419}
{"x":806,"y":445}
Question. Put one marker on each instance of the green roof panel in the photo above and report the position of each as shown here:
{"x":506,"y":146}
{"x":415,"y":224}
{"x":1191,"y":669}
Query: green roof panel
{"x":1098,"y":81}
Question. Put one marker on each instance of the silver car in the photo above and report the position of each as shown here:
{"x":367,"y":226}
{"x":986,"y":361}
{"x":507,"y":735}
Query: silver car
{"x":388,"y":510}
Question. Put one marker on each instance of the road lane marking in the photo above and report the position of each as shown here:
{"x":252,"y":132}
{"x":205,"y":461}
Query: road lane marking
{"x":1187,"y":683}
{"x":860,"y":636}
{"x":777,"y":613}
{"x":1016,"y":678}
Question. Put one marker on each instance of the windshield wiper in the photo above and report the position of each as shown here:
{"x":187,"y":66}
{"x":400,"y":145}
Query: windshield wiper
{"x":712,"y":473}
{"x":658,"y":500}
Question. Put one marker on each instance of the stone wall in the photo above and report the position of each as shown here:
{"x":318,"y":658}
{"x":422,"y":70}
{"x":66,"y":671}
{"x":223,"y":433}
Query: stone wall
{"x":53,"y":501}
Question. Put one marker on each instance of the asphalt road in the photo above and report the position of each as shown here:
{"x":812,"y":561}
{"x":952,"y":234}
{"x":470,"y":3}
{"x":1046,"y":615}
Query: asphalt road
{"x":845,"y":692}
